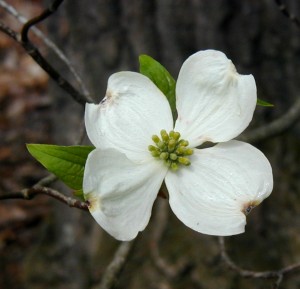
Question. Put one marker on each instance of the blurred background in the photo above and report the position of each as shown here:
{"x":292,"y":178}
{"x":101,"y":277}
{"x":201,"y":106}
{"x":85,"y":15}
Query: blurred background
{"x":45,"y":244}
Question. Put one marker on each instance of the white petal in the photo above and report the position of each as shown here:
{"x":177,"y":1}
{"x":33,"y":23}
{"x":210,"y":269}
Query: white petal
{"x":121,"y":193}
{"x":132,"y":111}
{"x":214,"y":102}
{"x":222,"y":182}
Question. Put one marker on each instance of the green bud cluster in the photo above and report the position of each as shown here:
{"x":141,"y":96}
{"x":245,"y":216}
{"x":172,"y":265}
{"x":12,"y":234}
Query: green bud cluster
{"x":171,"y":149}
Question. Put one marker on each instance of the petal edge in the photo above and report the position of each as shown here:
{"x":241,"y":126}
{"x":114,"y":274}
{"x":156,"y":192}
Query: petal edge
{"x":214,"y":102}
{"x":210,"y":196}
{"x":121,"y":193}
{"x":133,"y":110}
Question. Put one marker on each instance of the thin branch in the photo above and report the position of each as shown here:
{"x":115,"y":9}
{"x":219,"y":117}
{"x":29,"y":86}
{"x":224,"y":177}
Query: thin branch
{"x":278,"y":282}
{"x":5,"y":29}
{"x":11,"y":10}
{"x":30,"y":193}
{"x":45,"y":14}
{"x":116,"y":265}
{"x":37,"y":56}
{"x":287,"y":120}
{"x":276,"y":127}
{"x":170,"y":271}
{"x":284,"y":10}
{"x":160,"y":221}
{"x":46,"y":181}
{"x":279,"y":274}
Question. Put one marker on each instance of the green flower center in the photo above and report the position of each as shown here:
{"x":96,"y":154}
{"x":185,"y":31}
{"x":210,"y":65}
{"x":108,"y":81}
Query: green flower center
{"x":171,"y":149}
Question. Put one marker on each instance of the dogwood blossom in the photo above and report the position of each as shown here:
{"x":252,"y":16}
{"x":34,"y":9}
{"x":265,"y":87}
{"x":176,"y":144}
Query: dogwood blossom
{"x":138,"y":147}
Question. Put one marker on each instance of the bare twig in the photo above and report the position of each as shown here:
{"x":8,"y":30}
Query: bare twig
{"x":171,"y":271}
{"x":37,"y":56}
{"x":160,"y":221}
{"x":5,"y":29}
{"x":30,"y":193}
{"x":45,"y":14}
{"x":279,"y":274}
{"x":276,"y":127}
{"x":46,"y":181}
{"x":278,"y":282}
{"x":116,"y":265}
{"x":282,"y":7}
{"x":287,"y":120}
{"x":11,"y":10}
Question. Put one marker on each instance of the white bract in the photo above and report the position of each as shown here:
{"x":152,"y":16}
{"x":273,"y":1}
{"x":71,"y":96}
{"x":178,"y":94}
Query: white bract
{"x":138,"y":147}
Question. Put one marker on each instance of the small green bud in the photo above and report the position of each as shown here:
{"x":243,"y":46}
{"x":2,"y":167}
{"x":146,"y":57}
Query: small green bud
{"x":164,"y":156}
{"x":152,"y":148}
{"x":184,"y":161}
{"x":189,"y":151}
{"x":171,"y":134}
{"x":174,"y":166}
{"x":180,"y":150}
{"x":155,"y":154}
{"x":155,"y":138}
{"x":176,"y":136}
{"x":164,"y":135}
{"x":171,"y":145}
{"x":184,"y":143}
{"x":161,"y":145}
{"x":173,"y":157}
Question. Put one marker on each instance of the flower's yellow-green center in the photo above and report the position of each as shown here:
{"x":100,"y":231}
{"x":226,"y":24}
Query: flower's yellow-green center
{"x":171,"y":149}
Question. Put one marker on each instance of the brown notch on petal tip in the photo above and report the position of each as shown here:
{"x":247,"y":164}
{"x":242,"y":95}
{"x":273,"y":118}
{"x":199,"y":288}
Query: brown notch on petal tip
{"x":108,"y":97}
{"x":92,"y":201}
{"x":247,"y":210}
{"x":249,"y":207}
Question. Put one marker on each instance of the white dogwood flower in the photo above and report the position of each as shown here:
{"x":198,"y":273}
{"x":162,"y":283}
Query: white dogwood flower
{"x":210,"y":190}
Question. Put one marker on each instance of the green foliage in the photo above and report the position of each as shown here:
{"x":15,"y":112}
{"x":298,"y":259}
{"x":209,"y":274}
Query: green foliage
{"x":66,"y":162}
{"x":261,"y":102}
{"x":160,"y":77}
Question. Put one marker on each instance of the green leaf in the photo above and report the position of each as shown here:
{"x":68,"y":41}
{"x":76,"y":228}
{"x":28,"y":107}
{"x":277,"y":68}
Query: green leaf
{"x":66,"y":162}
{"x":160,"y":77}
{"x":264,"y":103}
{"x":79,"y":194}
